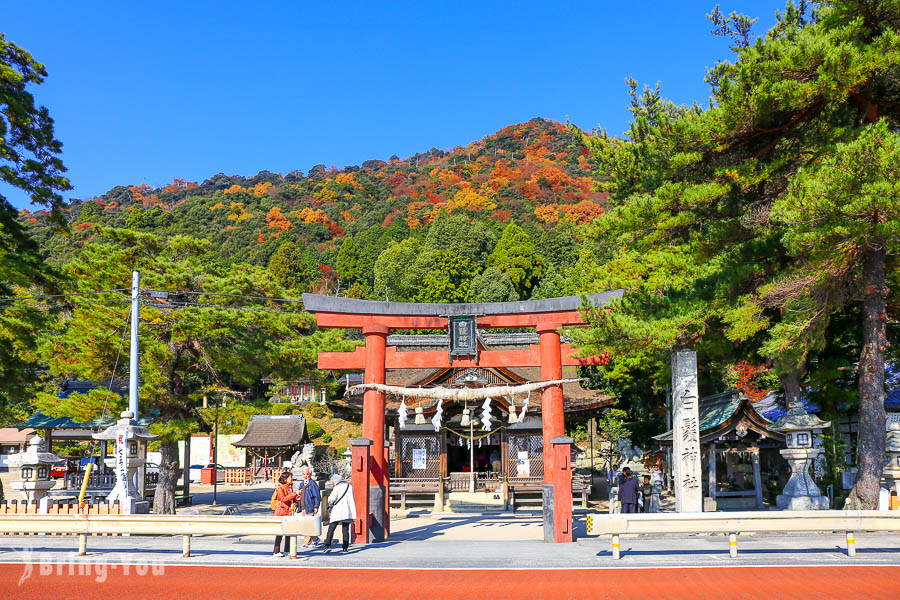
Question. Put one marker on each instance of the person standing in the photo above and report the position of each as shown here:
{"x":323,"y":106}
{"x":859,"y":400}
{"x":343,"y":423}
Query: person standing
{"x":647,"y":493}
{"x":628,"y":491}
{"x":341,"y":509}
{"x":283,"y":505}
{"x":495,"y":461}
{"x":310,"y":499}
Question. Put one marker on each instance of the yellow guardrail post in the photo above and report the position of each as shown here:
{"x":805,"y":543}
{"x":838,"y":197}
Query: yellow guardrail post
{"x":732,"y":545}
{"x":851,"y":544}
{"x":615,"y":547}
{"x":84,"y":484}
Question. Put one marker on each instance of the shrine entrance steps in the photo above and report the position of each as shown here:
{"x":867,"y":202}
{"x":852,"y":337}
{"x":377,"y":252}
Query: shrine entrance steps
{"x":478,"y":502}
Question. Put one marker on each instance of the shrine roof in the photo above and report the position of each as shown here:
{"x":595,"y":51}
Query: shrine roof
{"x":716,"y":410}
{"x":41,"y":421}
{"x":280,"y":431}
{"x":318,"y":303}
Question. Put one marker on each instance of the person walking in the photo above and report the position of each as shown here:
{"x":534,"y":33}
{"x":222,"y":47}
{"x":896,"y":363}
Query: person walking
{"x":628,"y":491}
{"x":283,"y":504}
{"x":647,"y":493}
{"x":341,"y":509}
{"x":309,"y":499}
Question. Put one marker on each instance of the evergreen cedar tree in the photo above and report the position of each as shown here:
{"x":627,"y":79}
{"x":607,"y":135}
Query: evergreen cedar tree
{"x":760,"y":229}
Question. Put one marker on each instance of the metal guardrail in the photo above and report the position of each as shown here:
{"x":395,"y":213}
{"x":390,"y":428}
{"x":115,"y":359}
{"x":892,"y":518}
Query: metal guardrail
{"x":183,"y":525}
{"x":848,"y":522}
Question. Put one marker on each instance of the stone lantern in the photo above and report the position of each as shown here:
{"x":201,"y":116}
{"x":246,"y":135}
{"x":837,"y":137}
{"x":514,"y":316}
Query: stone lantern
{"x":131,"y":442}
{"x":892,"y":450}
{"x":34,"y":472}
{"x":800,"y":492}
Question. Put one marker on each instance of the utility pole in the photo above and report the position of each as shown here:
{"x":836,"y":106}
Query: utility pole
{"x":472,"y":455}
{"x":216,"y":455}
{"x":134,"y":365}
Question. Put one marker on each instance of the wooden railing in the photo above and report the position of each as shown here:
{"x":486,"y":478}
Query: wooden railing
{"x":733,"y":524}
{"x":484,"y":482}
{"x":183,"y":525}
{"x":100,"y":480}
{"x":238,"y":475}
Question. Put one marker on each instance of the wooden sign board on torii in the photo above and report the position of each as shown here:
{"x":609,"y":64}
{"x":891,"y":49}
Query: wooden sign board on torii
{"x":377,"y":319}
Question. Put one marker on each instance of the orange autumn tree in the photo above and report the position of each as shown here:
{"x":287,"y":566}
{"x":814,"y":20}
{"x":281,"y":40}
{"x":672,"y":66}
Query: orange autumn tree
{"x":276,"y":220}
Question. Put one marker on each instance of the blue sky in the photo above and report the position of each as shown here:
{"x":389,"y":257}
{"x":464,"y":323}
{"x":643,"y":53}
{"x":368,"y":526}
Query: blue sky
{"x":149,"y":91}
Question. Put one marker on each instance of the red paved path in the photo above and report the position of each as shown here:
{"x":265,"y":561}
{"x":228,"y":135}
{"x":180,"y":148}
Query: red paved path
{"x":870,"y":583}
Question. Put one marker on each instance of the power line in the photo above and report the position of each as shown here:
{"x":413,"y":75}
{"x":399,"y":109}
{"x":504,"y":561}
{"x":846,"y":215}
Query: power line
{"x":270,"y":298}
{"x":17,"y":298}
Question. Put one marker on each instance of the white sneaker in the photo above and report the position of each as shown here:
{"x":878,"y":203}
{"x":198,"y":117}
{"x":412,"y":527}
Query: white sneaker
{"x":278,"y":554}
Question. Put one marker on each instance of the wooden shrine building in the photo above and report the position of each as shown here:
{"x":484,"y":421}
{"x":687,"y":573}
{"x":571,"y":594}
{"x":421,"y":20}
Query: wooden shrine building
{"x":272,"y":440}
{"x":739,"y":450}
{"x":465,"y":353}
{"x":513,"y":454}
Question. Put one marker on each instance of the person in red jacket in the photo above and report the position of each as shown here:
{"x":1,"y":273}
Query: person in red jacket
{"x":284,"y":497}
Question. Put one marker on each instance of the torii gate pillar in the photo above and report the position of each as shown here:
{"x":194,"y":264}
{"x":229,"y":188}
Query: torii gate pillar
{"x":557,"y":477}
{"x":373,"y":429}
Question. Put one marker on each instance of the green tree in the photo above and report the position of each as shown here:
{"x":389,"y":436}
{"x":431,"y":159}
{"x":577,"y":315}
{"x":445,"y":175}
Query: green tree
{"x":552,"y":285}
{"x":492,"y":285}
{"x":692,"y":236}
{"x":842,"y":222}
{"x":613,"y":426}
{"x":446,"y":277}
{"x":559,"y":246}
{"x":29,"y":161}
{"x":516,"y":256}
{"x":222,"y":343}
{"x":294,"y":266}
{"x":394,"y":271}
{"x":467,"y":239}
{"x":29,"y":150}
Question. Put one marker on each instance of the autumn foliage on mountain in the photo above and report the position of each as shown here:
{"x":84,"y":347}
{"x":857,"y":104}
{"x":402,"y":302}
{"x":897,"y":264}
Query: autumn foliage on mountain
{"x":535,"y":174}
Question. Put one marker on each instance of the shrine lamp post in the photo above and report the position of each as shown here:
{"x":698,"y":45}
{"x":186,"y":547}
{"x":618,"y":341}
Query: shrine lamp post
{"x":800,"y":492}
{"x":34,"y":472}
{"x":892,"y":468}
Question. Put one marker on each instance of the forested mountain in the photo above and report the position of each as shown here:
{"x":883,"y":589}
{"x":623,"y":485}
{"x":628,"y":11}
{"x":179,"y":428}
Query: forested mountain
{"x":441,"y":214}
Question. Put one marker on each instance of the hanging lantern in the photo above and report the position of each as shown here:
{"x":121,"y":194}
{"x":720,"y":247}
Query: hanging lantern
{"x":420,"y":417}
{"x":436,"y":420}
{"x":402,"y":414}
{"x":466,"y":418}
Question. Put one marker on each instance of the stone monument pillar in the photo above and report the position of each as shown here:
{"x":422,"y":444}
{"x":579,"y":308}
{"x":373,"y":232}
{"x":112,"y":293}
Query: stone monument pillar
{"x":128,"y":437}
{"x":800,"y":492}
{"x":686,"y":433}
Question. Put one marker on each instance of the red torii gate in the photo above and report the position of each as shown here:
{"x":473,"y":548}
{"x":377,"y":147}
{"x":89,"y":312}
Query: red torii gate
{"x":377,"y":319}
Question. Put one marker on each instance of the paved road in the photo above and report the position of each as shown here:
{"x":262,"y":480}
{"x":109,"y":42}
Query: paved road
{"x":871,"y":583}
{"x":456,"y":556}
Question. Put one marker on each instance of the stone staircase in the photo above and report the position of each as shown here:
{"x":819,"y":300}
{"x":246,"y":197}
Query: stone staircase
{"x":462,"y":502}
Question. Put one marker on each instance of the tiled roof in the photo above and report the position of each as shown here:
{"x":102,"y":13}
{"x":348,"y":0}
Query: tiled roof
{"x":41,"y":421}
{"x":771,"y":406}
{"x":79,"y":386}
{"x":713,"y":411}
{"x":892,"y":383}
{"x":265,"y":431}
